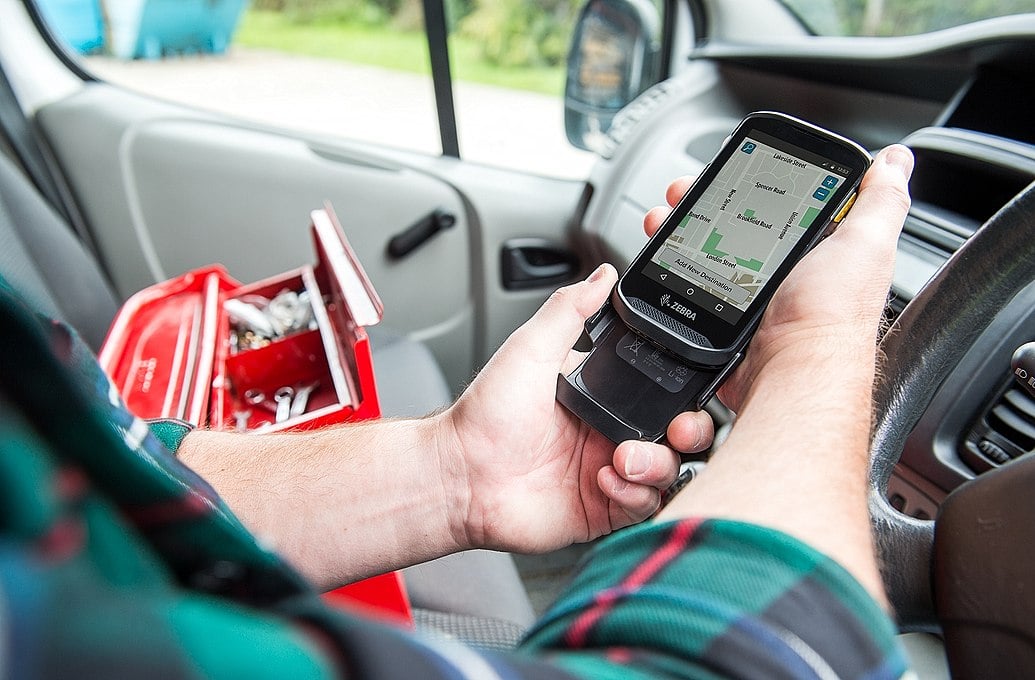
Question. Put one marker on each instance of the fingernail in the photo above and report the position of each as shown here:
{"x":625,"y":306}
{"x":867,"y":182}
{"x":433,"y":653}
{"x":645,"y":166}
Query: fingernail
{"x":638,"y":461}
{"x":899,"y":158}
{"x":597,"y":274}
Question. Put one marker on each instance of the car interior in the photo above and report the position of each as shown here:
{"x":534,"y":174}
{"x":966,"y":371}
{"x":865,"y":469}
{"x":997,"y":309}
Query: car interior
{"x":105,"y":191}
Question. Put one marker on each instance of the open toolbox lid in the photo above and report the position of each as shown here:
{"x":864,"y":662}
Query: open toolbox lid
{"x":173,"y":351}
{"x":351,"y":286}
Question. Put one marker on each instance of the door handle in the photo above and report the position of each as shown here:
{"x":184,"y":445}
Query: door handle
{"x":415,"y":235}
{"x":536,"y":263}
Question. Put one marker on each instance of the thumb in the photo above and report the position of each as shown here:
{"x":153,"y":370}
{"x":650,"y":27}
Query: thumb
{"x":548,"y":336}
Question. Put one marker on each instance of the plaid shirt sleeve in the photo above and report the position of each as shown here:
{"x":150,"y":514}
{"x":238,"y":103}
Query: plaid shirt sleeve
{"x":715,"y":598}
{"x":118,"y":561}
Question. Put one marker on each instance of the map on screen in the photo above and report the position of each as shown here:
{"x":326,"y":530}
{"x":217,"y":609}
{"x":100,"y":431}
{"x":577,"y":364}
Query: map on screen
{"x":747,"y":221}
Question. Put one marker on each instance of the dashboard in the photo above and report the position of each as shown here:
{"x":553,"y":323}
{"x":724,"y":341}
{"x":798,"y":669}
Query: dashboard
{"x":964,"y":108}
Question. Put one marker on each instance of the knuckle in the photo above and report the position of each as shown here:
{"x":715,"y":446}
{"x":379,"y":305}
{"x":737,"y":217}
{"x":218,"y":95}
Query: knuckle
{"x":891,"y":196}
{"x":643,"y":502}
{"x":650,"y":505}
{"x":897,"y":196}
{"x":559,"y":298}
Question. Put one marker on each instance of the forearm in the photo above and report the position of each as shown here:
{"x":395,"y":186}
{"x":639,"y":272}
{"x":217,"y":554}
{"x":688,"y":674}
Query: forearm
{"x":803,"y":433}
{"x":341,"y":503}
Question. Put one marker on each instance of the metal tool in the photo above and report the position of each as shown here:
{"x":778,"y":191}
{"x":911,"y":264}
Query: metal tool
{"x":283,"y":397}
{"x":301,"y":400}
{"x":255,"y":322}
{"x":241,"y":420}
{"x":249,"y":317}
{"x":289,"y":312}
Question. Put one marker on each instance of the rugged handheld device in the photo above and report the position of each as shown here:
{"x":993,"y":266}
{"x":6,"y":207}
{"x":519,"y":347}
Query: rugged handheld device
{"x":679,"y":319}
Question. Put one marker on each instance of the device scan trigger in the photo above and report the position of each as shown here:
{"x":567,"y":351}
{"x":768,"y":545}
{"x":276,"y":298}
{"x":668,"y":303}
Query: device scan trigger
{"x":845,"y":208}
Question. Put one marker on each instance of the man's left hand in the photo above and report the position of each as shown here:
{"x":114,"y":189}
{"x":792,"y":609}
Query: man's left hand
{"x":530,"y":476}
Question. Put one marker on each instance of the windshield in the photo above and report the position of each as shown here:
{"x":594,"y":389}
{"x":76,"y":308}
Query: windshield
{"x":897,"y":17}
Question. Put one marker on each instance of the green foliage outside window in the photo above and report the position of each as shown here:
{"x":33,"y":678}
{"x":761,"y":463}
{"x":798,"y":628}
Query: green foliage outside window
{"x":513,"y":33}
{"x":521,"y":33}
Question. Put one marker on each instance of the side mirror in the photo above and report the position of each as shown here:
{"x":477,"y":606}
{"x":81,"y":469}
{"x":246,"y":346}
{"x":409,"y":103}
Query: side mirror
{"x":615,"y":55}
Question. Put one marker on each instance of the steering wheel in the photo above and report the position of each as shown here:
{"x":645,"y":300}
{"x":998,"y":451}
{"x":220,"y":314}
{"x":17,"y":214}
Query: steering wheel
{"x":924,"y":344}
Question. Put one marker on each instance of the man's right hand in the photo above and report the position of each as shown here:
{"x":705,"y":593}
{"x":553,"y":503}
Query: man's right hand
{"x":837,"y":293}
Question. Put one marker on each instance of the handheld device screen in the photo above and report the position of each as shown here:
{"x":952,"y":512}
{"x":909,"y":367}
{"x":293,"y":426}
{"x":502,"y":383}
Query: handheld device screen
{"x":744,"y":226}
{"x":699,"y":287}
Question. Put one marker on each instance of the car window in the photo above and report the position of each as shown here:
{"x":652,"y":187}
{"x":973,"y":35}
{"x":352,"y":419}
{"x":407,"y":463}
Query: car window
{"x":897,"y":17}
{"x":356,"y":69}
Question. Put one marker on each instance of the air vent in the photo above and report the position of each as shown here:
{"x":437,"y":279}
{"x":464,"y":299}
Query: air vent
{"x":962,"y":178}
{"x":1005,"y":431}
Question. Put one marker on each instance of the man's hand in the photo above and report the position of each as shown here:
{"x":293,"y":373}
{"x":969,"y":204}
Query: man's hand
{"x":839,"y":290}
{"x":530,"y":476}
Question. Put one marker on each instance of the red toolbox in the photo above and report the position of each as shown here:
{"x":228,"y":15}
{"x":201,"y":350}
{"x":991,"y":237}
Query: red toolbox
{"x":285,"y":353}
